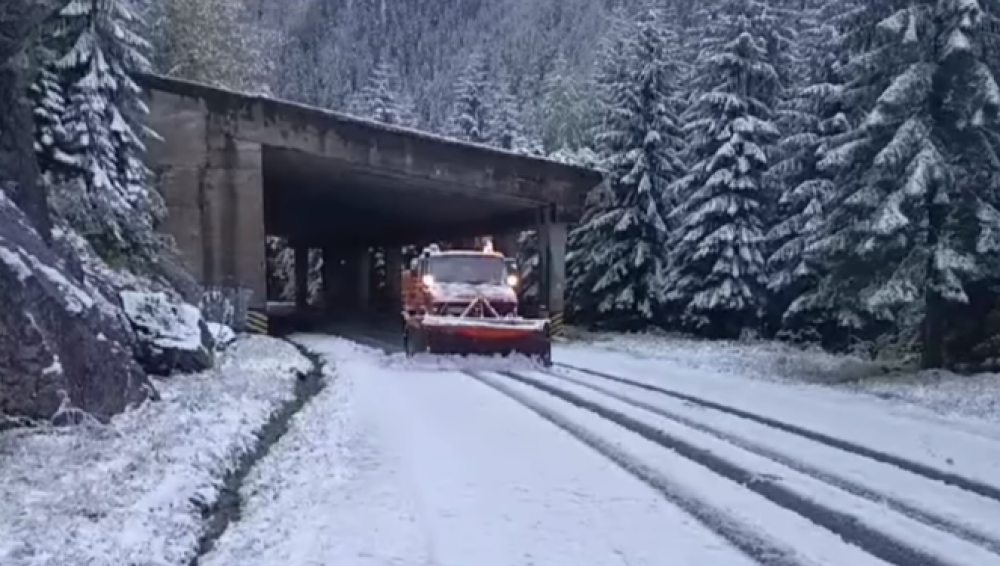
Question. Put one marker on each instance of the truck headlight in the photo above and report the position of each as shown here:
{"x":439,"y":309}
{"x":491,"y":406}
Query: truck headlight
{"x":427,"y":279}
{"x":512,"y":280}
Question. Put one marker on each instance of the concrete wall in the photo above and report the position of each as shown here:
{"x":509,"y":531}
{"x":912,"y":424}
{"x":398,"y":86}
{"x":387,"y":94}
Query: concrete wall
{"x":213,"y":184}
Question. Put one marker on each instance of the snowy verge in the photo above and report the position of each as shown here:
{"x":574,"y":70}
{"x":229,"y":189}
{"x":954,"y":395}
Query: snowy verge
{"x":773,"y":361}
{"x":942,"y":392}
{"x":323,"y":490}
{"x":133,"y":492}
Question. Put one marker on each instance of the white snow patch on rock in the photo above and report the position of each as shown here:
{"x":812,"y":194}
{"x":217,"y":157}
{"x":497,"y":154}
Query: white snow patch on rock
{"x":167,"y":324}
{"x":27,"y":266}
{"x":78,"y":299}
{"x":124,"y":493}
{"x":14,"y":261}
{"x":222,"y":335}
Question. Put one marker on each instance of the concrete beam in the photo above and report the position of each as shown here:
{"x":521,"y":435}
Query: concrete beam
{"x":406,"y":156}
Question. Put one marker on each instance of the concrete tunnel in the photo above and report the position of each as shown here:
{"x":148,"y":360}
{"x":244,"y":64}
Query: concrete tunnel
{"x":235,"y":167}
{"x":322,"y":204}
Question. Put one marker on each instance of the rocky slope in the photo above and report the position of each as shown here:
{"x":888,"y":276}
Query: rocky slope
{"x":66,"y":344}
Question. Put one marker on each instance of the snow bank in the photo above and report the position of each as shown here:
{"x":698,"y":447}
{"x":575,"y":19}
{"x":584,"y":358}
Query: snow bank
{"x":771,"y":361}
{"x":132,"y":492}
{"x":944,"y":393}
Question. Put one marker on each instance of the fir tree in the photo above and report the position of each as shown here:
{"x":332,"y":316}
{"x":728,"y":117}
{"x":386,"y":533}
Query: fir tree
{"x":379,"y":99}
{"x":623,"y":247}
{"x":49,"y":105}
{"x":563,"y":109}
{"x":506,"y":128}
{"x":811,"y":118}
{"x":915,"y":219}
{"x":718,"y":274}
{"x":106,"y":197}
{"x":470,"y":117}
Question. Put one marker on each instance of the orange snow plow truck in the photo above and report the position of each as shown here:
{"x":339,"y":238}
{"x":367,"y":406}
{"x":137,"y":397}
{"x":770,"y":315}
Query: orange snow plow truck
{"x":465,"y":302}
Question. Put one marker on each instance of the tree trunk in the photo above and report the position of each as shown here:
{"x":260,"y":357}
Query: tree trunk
{"x":20,"y":21}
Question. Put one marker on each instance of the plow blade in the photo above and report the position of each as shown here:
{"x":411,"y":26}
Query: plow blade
{"x":528,"y":338}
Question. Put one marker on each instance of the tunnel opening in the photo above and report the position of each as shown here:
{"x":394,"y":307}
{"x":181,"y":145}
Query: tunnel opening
{"x":355,"y":229}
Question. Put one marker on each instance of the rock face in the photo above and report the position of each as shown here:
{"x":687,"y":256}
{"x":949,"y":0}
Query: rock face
{"x":58,"y":346}
{"x":172,"y":336}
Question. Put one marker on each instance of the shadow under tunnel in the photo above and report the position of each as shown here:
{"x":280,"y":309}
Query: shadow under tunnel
{"x":379,"y":330}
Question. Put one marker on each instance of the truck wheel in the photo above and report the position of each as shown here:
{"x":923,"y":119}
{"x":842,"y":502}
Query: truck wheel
{"x":547,"y":359}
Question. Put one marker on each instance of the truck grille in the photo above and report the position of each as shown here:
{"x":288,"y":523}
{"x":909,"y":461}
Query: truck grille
{"x":457,"y":308}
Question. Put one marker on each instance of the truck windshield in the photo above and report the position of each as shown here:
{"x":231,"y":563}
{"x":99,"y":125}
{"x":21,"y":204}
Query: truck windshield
{"x":476,"y":269}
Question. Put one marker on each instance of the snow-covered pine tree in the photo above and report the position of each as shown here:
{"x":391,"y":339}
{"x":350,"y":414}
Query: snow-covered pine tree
{"x":717,"y":275}
{"x":218,"y":42}
{"x":506,"y":122}
{"x":563,"y":112}
{"x":379,"y":99}
{"x":811,"y":116}
{"x":915,"y":220}
{"x":582,"y":304}
{"x":49,"y":105}
{"x":106,"y":198}
{"x":470,"y":118}
{"x":280,"y":270}
{"x":623,"y":249}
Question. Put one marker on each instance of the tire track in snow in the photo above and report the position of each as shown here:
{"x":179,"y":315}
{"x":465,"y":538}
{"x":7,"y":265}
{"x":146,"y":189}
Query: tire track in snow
{"x":757,"y":547}
{"x":873,"y":541}
{"x":977,"y":487}
{"x":853,"y":487}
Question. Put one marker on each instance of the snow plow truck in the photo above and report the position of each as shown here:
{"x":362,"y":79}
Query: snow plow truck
{"x":465,"y":302}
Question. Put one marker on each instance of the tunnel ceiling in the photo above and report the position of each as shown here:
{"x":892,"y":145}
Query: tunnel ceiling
{"x":322,"y":201}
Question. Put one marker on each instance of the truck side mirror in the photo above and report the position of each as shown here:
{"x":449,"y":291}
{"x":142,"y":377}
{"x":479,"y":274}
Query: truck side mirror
{"x":414,"y":264}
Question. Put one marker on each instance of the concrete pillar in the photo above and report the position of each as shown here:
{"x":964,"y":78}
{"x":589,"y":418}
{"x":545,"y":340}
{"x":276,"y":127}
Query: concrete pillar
{"x":331,"y":261}
{"x":393,"y":277}
{"x":363,"y":265}
{"x":544,"y":236}
{"x":301,"y":277}
{"x":556,"y":268}
{"x":214,"y":190}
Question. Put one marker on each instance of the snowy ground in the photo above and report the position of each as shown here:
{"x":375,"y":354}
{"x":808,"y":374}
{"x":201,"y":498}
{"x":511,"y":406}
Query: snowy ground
{"x":942,"y":392}
{"x":125,"y":493}
{"x":431,"y":461}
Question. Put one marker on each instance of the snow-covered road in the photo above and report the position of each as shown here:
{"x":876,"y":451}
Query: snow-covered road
{"x":447,"y":465}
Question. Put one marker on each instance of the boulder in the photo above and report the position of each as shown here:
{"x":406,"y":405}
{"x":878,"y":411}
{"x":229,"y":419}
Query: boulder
{"x":57,"y":347}
{"x":172,"y":335}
